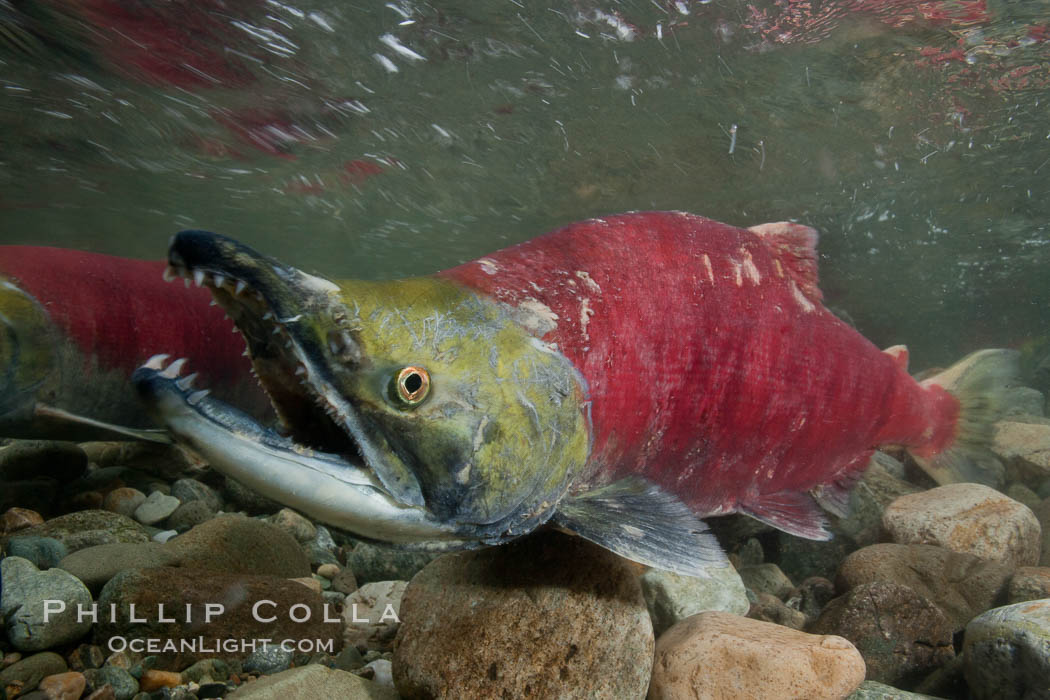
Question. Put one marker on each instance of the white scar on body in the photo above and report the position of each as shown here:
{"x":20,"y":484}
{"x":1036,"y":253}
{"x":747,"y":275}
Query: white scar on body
{"x":585,"y":316}
{"x":589,"y":281}
{"x":710,"y":270}
{"x":750,"y":271}
{"x":488,"y":266}
{"x":738,"y":275}
{"x":803,"y":302}
{"x":537,"y":316}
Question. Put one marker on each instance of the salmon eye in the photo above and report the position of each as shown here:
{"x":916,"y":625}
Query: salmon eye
{"x":410,"y":386}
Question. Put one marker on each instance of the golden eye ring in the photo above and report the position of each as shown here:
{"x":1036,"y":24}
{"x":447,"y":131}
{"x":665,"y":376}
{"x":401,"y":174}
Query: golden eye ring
{"x":411,"y":385}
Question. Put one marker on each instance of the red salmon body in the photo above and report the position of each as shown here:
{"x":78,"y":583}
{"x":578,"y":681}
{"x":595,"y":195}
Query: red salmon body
{"x":713,"y":369}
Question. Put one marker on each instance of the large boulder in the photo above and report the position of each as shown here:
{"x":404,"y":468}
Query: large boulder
{"x":548,"y":616}
{"x":969,"y":518}
{"x":720,"y":655}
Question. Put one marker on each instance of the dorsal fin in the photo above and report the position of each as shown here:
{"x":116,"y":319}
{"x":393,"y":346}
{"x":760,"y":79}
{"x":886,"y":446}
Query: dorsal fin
{"x":795,"y":246}
{"x":899,"y":353}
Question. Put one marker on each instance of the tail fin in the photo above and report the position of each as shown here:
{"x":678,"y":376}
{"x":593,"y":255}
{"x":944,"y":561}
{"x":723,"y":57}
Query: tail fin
{"x":981,"y":382}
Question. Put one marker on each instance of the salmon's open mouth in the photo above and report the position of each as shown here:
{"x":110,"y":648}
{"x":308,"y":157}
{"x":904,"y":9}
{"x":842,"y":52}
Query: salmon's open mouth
{"x":321,"y":459}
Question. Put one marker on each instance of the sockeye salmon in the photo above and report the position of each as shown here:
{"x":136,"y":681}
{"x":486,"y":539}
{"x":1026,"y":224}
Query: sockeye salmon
{"x":619,"y":378}
{"x":75,"y":325}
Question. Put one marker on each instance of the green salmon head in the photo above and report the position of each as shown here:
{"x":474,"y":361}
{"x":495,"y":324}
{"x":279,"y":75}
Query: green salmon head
{"x":453,"y":413}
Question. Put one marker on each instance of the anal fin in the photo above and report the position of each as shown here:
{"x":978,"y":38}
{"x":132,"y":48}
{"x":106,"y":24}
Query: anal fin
{"x":795,"y":513}
{"x":641,"y":522}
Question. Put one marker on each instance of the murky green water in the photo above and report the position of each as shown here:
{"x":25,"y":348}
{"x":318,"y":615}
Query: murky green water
{"x":386,"y":140}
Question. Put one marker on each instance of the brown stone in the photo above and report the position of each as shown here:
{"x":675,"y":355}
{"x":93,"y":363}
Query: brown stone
{"x":961,"y":585}
{"x":769,"y":608}
{"x":969,"y":518}
{"x":1029,"y":583}
{"x":716,"y":655}
{"x":154,"y":679}
{"x":123,"y":500}
{"x":86,"y":656}
{"x":1042,"y":514}
{"x":15,"y":519}
{"x":546,"y":616}
{"x":1024,"y":446}
{"x":177,"y":588}
{"x":106,"y":692}
{"x":901,"y":635}
{"x":371,"y":615}
{"x":310,"y":683}
{"x":344,"y":582}
{"x":63,"y":686}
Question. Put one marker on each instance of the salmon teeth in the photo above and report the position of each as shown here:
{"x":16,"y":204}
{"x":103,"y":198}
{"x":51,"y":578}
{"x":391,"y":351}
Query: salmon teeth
{"x":186,"y":382}
{"x":219,"y":279}
{"x":195,"y":398}
{"x":156,"y":362}
{"x":241,"y":286}
{"x":198,"y":277}
{"x":174,"y":368}
{"x":169,"y":273}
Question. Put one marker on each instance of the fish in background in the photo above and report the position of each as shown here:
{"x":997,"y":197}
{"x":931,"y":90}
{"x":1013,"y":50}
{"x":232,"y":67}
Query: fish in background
{"x":73,"y":327}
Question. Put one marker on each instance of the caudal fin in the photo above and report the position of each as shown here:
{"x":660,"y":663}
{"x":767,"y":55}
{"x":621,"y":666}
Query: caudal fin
{"x":981,"y":382}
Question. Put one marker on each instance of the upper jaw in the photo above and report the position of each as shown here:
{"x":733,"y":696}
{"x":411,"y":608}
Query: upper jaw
{"x":295,"y":325}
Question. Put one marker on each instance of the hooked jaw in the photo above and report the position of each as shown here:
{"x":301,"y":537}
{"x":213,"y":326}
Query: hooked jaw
{"x":326,"y":486}
{"x":293,"y":324}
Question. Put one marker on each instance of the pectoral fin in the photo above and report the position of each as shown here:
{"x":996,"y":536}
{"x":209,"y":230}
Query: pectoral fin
{"x":639,"y":521}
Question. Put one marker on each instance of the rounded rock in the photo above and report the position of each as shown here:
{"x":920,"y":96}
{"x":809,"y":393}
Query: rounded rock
{"x":967,"y":518}
{"x":40,"y":607}
{"x":32,"y":669}
{"x":901,"y":635}
{"x":344,"y":582}
{"x":238,"y":544}
{"x":295,"y":525}
{"x":329,"y":571}
{"x":15,"y":519}
{"x":190,"y":490}
{"x":371,"y":615}
{"x":97,"y":565}
{"x":719,"y":655}
{"x":124,"y":500}
{"x":371,"y":562}
{"x":155,"y":508}
{"x":44,"y":552}
{"x":1029,"y":583}
{"x":86,"y":656}
{"x":267,"y":661}
{"x":123,"y":683}
{"x":190,"y":515}
{"x":766,"y":578}
{"x":548,"y":614}
{"x":254,"y":608}
{"x":769,"y":608}
{"x":961,"y":585}
{"x":63,"y":686}
{"x":28,"y":459}
{"x":312,"y":682}
{"x":1007,"y":652}
{"x":672,"y":597}
{"x":87,"y":528}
